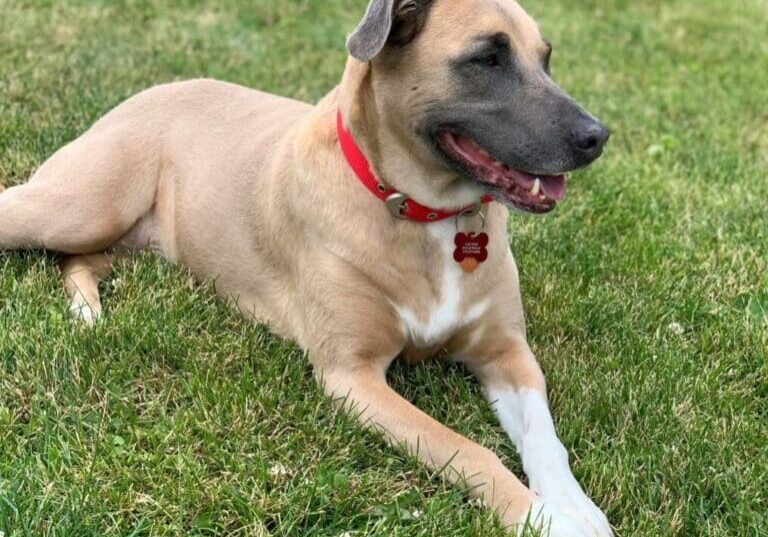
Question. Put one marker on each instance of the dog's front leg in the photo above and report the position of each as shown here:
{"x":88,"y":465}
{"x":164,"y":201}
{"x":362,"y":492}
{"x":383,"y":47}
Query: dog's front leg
{"x":363,"y":390}
{"x":515,"y":386}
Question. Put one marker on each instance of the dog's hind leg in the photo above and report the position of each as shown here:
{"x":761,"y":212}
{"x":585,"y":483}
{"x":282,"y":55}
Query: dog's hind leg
{"x":82,"y":274}
{"x":81,"y":202}
{"x":84,"y":198}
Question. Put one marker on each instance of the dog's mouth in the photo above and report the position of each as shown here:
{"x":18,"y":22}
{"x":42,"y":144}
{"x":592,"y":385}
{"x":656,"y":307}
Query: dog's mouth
{"x":532,"y":193}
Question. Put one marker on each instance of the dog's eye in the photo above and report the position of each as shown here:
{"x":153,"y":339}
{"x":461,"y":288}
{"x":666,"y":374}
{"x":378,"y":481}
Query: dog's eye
{"x":489,"y":59}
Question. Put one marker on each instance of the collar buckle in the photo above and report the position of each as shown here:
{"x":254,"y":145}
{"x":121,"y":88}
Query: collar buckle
{"x":397,"y":204}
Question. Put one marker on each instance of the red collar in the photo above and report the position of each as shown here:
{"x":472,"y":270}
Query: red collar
{"x":399,"y":204}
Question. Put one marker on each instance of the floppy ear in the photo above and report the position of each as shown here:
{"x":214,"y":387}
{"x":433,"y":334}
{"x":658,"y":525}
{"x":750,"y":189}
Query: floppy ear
{"x":394,"y":21}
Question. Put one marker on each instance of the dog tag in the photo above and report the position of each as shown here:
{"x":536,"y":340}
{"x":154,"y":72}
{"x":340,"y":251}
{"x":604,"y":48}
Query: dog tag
{"x":471,"y":250}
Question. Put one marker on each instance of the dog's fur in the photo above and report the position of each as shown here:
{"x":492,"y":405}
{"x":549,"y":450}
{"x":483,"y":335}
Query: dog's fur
{"x":252,"y":191}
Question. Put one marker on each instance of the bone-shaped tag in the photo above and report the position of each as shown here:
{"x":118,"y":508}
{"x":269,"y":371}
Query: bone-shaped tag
{"x":471,"y":250}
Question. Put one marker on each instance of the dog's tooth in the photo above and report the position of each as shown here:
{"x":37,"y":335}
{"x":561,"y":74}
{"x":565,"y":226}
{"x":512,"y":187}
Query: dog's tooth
{"x":536,"y":187}
{"x":543,"y":197}
{"x":498,"y":164}
{"x":483,"y":152}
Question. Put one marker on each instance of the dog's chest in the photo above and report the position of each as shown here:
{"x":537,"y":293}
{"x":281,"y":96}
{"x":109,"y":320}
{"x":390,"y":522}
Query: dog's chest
{"x":432,"y":312}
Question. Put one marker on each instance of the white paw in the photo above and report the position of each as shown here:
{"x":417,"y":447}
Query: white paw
{"x":81,"y":311}
{"x":548,"y":521}
{"x":569,"y":498}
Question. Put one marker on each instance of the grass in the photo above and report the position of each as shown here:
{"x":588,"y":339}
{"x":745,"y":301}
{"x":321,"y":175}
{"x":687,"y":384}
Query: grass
{"x":646,"y":293}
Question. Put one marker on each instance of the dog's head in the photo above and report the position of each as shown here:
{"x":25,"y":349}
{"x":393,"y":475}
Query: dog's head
{"x":461,"y":90}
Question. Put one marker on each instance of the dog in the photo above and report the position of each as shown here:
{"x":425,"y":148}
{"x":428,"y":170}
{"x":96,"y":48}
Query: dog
{"x":368,"y":227}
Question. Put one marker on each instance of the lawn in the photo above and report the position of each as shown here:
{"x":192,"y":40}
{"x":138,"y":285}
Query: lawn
{"x":646,"y":294}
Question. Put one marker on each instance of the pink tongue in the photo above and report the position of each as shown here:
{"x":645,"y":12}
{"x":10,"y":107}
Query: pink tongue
{"x":553,"y":187}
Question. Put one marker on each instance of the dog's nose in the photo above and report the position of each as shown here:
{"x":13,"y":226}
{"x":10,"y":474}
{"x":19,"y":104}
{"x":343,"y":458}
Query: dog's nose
{"x":589,"y":137}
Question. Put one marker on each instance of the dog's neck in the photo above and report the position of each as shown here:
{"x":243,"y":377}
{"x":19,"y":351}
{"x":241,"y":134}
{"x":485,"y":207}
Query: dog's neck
{"x":397,"y":159}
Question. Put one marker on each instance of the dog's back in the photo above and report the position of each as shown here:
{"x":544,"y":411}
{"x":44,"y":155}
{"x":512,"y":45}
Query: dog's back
{"x":171,"y":138}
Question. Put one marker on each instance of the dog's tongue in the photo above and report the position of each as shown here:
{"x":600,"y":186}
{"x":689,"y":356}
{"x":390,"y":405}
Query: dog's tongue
{"x":553,"y":186}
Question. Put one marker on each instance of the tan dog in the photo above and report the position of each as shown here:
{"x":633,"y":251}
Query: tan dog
{"x":253,"y":191}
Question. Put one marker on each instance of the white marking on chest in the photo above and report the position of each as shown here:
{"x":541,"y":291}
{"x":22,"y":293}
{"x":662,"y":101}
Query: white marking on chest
{"x":445,"y":315}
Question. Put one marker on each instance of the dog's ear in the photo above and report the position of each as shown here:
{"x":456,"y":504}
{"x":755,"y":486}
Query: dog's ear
{"x":394,"y":22}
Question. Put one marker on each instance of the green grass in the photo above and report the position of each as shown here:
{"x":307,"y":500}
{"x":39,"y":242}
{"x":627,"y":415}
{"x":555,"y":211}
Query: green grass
{"x":646,"y":293}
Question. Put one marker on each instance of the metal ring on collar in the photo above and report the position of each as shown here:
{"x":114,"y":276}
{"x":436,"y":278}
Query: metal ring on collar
{"x":475,"y":210}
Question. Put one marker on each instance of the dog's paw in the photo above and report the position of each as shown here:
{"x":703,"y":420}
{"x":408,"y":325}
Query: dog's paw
{"x":545,"y":520}
{"x":569,"y":499}
{"x":81,"y":311}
